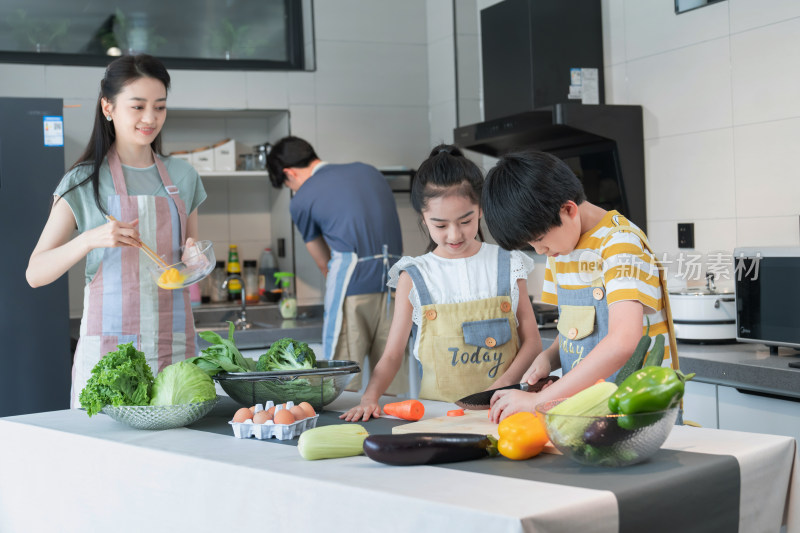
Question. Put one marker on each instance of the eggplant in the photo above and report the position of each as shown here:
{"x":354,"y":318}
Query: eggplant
{"x":604,"y":432}
{"x":428,"y":448}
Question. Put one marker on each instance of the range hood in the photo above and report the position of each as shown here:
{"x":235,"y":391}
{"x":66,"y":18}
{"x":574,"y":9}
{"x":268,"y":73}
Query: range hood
{"x":600,"y":142}
{"x":562,"y":127}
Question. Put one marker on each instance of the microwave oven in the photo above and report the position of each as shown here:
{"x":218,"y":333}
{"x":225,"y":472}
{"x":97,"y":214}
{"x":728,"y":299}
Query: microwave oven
{"x":767,"y":286}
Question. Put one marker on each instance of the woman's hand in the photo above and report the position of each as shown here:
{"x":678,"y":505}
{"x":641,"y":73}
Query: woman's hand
{"x":363,"y":411}
{"x":192,"y":257}
{"x":113,"y":234}
{"x":540,"y":368}
{"x":505,"y":403}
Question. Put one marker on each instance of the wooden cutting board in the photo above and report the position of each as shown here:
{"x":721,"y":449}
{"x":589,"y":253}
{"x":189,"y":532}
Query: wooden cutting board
{"x":471,"y":422}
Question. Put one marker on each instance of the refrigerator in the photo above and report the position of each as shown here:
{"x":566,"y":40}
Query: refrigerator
{"x":35,"y":351}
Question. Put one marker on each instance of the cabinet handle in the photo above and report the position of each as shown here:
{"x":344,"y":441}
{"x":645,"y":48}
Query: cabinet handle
{"x":769,"y":395}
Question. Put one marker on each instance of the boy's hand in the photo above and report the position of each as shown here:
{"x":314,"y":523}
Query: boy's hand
{"x":505,"y":403}
{"x":540,"y":368}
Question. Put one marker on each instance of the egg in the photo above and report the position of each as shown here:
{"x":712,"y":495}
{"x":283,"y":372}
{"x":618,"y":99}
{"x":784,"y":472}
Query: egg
{"x":271,"y":410}
{"x":242,"y":415}
{"x":308,"y":409}
{"x":298,"y":412}
{"x":283,"y":417}
{"x":261,"y":417}
{"x":253,"y":409}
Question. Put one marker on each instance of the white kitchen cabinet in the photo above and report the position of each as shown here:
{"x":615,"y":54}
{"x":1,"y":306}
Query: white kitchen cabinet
{"x":758,"y":414}
{"x":700,"y":404}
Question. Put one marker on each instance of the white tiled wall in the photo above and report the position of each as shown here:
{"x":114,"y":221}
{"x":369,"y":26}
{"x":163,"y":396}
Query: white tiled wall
{"x":721,"y":116}
{"x":717,"y":84}
{"x":367,"y":101}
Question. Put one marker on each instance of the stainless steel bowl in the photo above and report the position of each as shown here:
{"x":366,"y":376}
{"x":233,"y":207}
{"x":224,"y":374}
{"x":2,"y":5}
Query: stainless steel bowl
{"x":317,"y":386}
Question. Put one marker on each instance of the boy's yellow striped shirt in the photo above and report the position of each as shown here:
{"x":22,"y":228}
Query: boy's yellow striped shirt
{"x":629,"y":272}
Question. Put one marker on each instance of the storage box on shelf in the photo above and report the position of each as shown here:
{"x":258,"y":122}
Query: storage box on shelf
{"x":226,"y":155}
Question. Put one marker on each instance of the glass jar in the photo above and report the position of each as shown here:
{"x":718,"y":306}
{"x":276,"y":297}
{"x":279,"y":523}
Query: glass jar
{"x":261,"y":155}
{"x":251,"y":281}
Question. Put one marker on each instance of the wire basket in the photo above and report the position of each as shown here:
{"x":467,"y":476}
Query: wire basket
{"x":317,"y":386}
{"x":160,"y":416}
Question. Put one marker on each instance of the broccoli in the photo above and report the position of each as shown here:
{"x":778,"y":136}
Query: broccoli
{"x":287,"y":354}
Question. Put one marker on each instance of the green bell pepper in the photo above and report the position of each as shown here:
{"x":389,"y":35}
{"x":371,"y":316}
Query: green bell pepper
{"x":653,"y":388}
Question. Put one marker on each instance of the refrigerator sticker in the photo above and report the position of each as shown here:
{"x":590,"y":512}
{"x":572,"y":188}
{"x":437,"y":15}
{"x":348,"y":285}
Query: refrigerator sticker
{"x":575,"y":84}
{"x":584,"y":85}
{"x":54,"y":131}
{"x":590,"y":88}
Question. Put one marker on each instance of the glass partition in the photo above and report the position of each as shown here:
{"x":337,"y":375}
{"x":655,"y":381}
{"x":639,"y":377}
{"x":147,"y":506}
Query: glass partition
{"x":229,"y":34}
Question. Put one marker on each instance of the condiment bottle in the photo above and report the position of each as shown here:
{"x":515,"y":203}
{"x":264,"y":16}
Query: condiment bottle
{"x":250,"y":281}
{"x":234,"y":285}
{"x":215,"y":281}
{"x":288,"y":302}
{"x":267,"y":268}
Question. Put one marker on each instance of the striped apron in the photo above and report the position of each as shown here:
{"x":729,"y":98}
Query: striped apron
{"x":340,"y":270}
{"x":122,"y":303}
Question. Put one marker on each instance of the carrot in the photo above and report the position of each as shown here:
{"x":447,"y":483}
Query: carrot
{"x":456,"y":412}
{"x":407,"y":410}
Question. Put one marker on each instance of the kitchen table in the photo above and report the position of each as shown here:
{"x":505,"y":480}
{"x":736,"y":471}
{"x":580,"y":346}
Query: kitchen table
{"x":62,"y":471}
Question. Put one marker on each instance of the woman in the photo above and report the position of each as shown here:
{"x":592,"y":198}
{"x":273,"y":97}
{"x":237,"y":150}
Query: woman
{"x":120,"y":193}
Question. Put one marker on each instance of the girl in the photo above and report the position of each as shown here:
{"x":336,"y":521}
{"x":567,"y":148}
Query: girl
{"x":149,"y":198}
{"x":467,"y":300}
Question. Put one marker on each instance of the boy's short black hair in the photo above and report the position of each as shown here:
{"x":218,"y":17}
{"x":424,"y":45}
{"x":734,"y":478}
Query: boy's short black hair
{"x":523,"y":194}
{"x":289,"y":152}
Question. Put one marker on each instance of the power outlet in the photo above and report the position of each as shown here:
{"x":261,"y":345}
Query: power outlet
{"x":686,"y":235}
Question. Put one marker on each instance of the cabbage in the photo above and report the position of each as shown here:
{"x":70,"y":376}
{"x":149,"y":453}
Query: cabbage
{"x":182,"y":382}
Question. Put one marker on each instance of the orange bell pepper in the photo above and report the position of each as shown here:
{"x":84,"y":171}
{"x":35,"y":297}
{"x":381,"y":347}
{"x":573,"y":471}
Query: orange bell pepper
{"x":522,"y":436}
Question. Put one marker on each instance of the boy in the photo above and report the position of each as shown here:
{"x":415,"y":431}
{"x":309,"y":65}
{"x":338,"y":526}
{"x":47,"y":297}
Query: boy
{"x":600,"y":272}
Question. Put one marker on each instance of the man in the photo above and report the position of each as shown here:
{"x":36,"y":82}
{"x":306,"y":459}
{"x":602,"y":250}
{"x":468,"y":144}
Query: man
{"x":348,"y":219}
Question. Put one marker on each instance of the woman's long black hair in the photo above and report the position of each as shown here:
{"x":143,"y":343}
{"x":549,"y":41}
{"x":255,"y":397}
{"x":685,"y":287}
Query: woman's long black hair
{"x":119,"y":73}
{"x":445,"y":168}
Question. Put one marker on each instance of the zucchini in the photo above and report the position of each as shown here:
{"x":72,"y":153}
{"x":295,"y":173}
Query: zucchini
{"x":656,"y":355}
{"x":636,"y":359}
{"x":330,"y":442}
{"x":428,"y":448}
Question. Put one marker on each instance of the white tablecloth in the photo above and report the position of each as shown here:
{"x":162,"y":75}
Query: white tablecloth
{"x":62,"y":471}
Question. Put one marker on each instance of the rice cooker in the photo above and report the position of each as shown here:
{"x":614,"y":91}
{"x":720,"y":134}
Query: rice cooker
{"x":704,"y":314}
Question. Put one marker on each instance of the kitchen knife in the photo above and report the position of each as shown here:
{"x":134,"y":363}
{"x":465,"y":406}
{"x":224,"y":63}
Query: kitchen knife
{"x":480,"y":400}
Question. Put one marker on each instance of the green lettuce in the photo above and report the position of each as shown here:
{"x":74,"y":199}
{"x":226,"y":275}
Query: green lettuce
{"x":182,"y":382}
{"x":122,"y":377}
{"x":222,"y":355}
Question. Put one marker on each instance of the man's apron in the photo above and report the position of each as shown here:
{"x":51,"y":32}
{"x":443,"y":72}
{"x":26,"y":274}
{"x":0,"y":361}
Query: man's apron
{"x":583,"y":313}
{"x":340,"y":270}
{"x":122,"y":303}
{"x":465,"y":347}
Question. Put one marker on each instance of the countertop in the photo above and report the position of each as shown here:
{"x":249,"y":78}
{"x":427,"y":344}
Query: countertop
{"x":99,"y":475}
{"x":744,"y":366}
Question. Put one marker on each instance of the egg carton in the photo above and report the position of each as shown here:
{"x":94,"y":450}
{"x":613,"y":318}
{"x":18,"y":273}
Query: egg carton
{"x":269,"y":429}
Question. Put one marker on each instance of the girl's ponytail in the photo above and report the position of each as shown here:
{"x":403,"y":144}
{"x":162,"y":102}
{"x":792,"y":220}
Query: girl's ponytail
{"x":446,"y":171}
